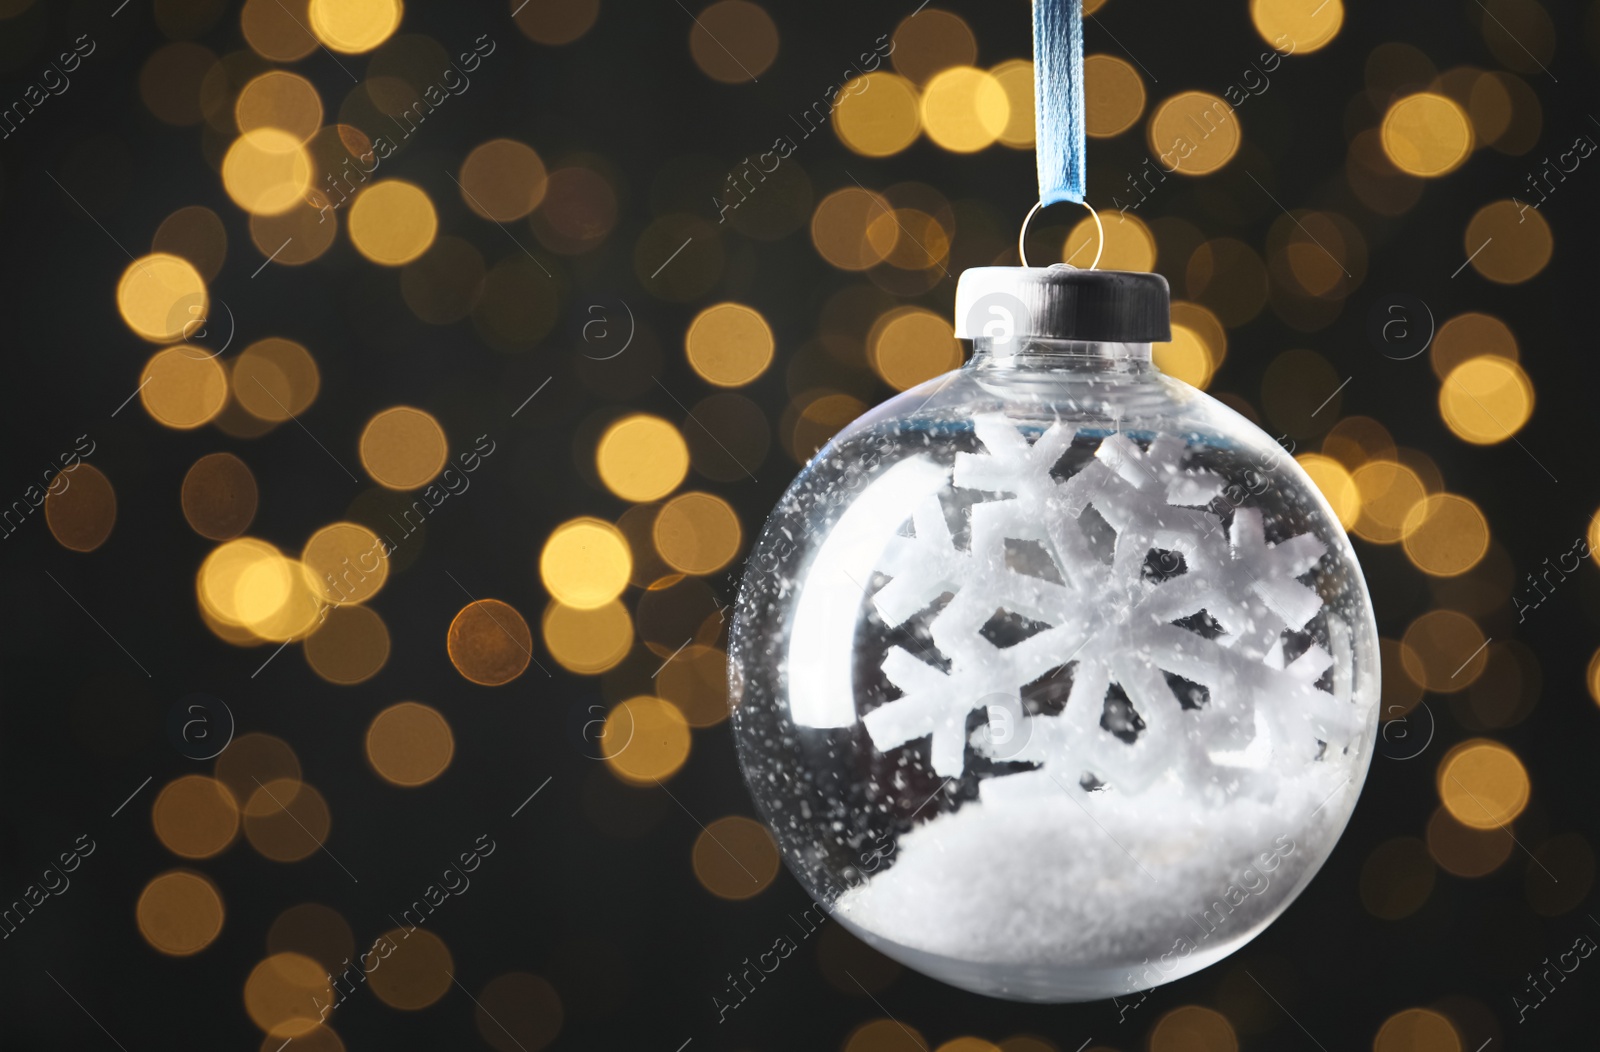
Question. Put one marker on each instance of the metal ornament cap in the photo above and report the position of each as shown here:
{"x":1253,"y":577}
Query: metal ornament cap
{"x":1062,"y":302}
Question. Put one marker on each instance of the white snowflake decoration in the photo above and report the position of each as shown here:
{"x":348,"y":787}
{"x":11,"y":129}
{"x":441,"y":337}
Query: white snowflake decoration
{"x":1111,"y":621}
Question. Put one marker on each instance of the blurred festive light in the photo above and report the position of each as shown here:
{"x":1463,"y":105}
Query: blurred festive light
{"x":248,"y":584}
{"x":1015,"y":77}
{"x":1194,"y":133}
{"x":517,"y":304}
{"x":733,"y":41}
{"x":697,"y":533}
{"x":1323,"y":252}
{"x":1508,"y":243}
{"x":1389,"y":491}
{"x":193,"y":233}
{"x":409,"y":744}
{"x":286,"y":994}
{"x":1397,"y":878}
{"x":219,"y":496}
{"x":1486,"y":399}
{"x":1468,"y":335}
{"x":554,"y":21}
{"x":642,"y":457}
{"x":416,"y":972}
{"x":578,"y":211}
{"x":585,"y":563}
{"x":885,"y":1035}
{"x":735,"y":858}
{"x":347,"y":561}
{"x":816,"y":417}
{"x":1464,"y":851}
{"x":1594,"y":677}
{"x":162,"y":297}
{"x":279,"y":99}
{"x":919,"y":240}
{"x":1417,"y":1030}
{"x":392,"y":222}
{"x":1227,"y":277}
{"x":349,"y":647}
{"x":502,"y":180}
{"x":587,"y":642}
{"x":318,"y":1039}
{"x":729,"y":345}
{"x":443,"y":284}
{"x":253,"y":759}
{"x":1445,"y":535}
{"x":1336,"y":485}
{"x":970,"y":1044}
{"x":275,"y":379}
{"x":1483,"y":784}
{"x":1193,"y":1027}
{"x":518,"y":1012}
{"x":286,"y":820}
{"x":403,"y":448}
{"x":354,"y":26}
{"x":296,"y":237}
{"x":1444,"y":651}
{"x":878,"y":115}
{"x":696,"y":681}
{"x":929,"y":41}
{"x":840,"y":224}
{"x":315,"y":931}
{"x":1113,"y":96}
{"x":909,"y":345}
{"x":169,"y":82}
{"x":644,"y":740}
{"x":82,"y":510}
{"x":1490,"y":107}
{"x":276,"y":29}
{"x":964,"y":109}
{"x":179,"y":913}
{"x":1356,"y":440}
{"x":267,"y":171}
{"x":1129,"y":245}
{"x":183,"y":388}
{"x":1296,"y":28}
{"x":1427,"y":134}
{"x":1185,"y":357}
{"x":1520,"y":33}
{"x":489,"y":642}
{"x":195,"y":816}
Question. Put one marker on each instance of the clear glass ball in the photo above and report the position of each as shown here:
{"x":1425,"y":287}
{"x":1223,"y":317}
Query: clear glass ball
{"x":1054,"y":677}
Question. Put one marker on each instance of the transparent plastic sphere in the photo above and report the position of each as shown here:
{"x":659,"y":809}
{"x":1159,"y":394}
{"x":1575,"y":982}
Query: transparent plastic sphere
{"x":1055,"y":678}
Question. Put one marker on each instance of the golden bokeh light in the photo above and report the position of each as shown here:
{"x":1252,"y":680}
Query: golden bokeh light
{"x":1356,"y":440}
{"x":1185,"y":357}
{"x":1508,"y":243}
{"x":1129,"y":244}
{"x":1297,"y":28}
{"x":296,"y":237}
{"x":347,"y":561}
{"x":349,"y":647}
{"x":286,"y":820}
{"x":910,"y":238}
{"x":279,"y":99}
{"x":315,"y":931}
{"x":195,"y":816}
{"x":502,"y":180}
{"x":1445,"y":535}
{"x":443,"y":284}
{"x":392,"y":222}
{"x":733,"y":41}
{"x":1483,"y":784}
{"x":1468,"y":335}
{"x":1015,"y":77}
{"x":194,"y":233}
{"x":283,"y":994}
{"x":729,"y":345}
{"x":1193,"y":1027}
{"x":219,"y":496}
{"x":1427,"y":134}
{"x":964,"y":109}
{"x":910,"y":345}
{"x":697,"y":533}
{"x":585,"y":563}
{"x":1194,"y":133}
{"x":80,"y":507}
{"x":267,"y":171}
{"x":1486,"y":399}
{"x":1464,"y":851}
{"x":253,"y":759}
{"x":1417,"y":1030}
{"x":1113,"y":96}
{"x":1335,"y":484}
{"x":183,"y":388}
{"x":1594,"y":677}
{"x":840,"y":225}
{"x":409,"y":744}
{"x":275,"y":379}
{"x":816,"y":417}
{"x":645,"y":740}
{"x":1389,"y":491}
{"x":554,"y":21}
{"x":179,"y":913}
{"x":276,"y":29}
{"x":578,"y":212}
{"x":162,"y":297}
{"x":642,"y":457}
{"x":415,"y":973}
{"x":403,"y":448}
{"x":587,"y":642}
{"x":518,"y":1012}
{"x":735,"y":858}
{"x":885,"y":1035}
{"x":354,"y":26}
{"x":1443,"y":651}
{"x":489,"y":642}
{"x":696,"y":681}
{"x":879,"y":115}
{"x":929,"y":41}
{"x":247,"y":583}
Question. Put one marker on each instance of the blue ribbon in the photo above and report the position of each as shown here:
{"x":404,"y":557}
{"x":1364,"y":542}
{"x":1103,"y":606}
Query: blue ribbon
{"x":1058,"y":95}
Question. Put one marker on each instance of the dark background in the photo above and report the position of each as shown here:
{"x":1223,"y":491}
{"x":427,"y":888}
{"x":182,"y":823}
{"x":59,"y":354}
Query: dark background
{"x":609,"y":910}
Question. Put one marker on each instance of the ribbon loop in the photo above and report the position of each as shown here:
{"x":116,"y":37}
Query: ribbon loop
{"x":1058,"y":95}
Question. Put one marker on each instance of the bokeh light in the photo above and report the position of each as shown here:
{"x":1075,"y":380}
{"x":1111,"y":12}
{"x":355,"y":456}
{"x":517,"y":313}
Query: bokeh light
{"x":964,"y":109}
{"x":80,"y":507}
{"x":910,"y":345}
{"x":1129,"y":244}
{"x":162,"y":297}
{"x":585,"y":563}
{"x":1113,"y":96}
{"x":697,"y":533}
{"x":1445,"y":534}
{"x":642,"y":457}
{"x":879,"y":115}
{"x":347,"y":561}
{"x":275,"y":379}
{"x":1335,"y":484}
{"x":588,"y":642}
{"x":1194,"y":133}
{"x":1483,"y":784}
{"x":179,"y":913}
{"x":279,"y":99}
{"x":1508,"y":243}
{"x":1486,"y":399}
{"x":1193,"y":1027}
{"x":1297,"y":28}
{"x":195,"y":816}
{"x":283,"y":992}
{"x":502,"y":180}
{"x":735,"y":857}
{"x":518,"y":1012}
{"x":644,"y":740}
{"x":554,"y":21}
{"x":267,"y":171}
{"x":1427,"y":134}
{"x":183,"y":388}
{"x":403,"y":448}
{"x":729,"y":345}
{"x":409,"y":744}
{"x":286,"y":820}
{"x":489,"y":642}
{"x":733,"y":41}
{"x":349,"y":647}
{"x":392,"y":222}
{"x":354,"y":26}
{"x":1417,"y":1030}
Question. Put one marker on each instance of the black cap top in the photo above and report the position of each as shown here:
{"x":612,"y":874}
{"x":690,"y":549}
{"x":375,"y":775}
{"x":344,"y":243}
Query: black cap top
{"x":1064,"y":303}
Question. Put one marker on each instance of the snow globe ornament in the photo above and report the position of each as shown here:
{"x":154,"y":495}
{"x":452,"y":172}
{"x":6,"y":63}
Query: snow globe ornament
{"x":1054,"y":677}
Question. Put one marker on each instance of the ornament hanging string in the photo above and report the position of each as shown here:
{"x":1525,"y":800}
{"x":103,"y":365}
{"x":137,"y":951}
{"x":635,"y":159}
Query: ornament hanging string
{"x":1058,"y":103}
